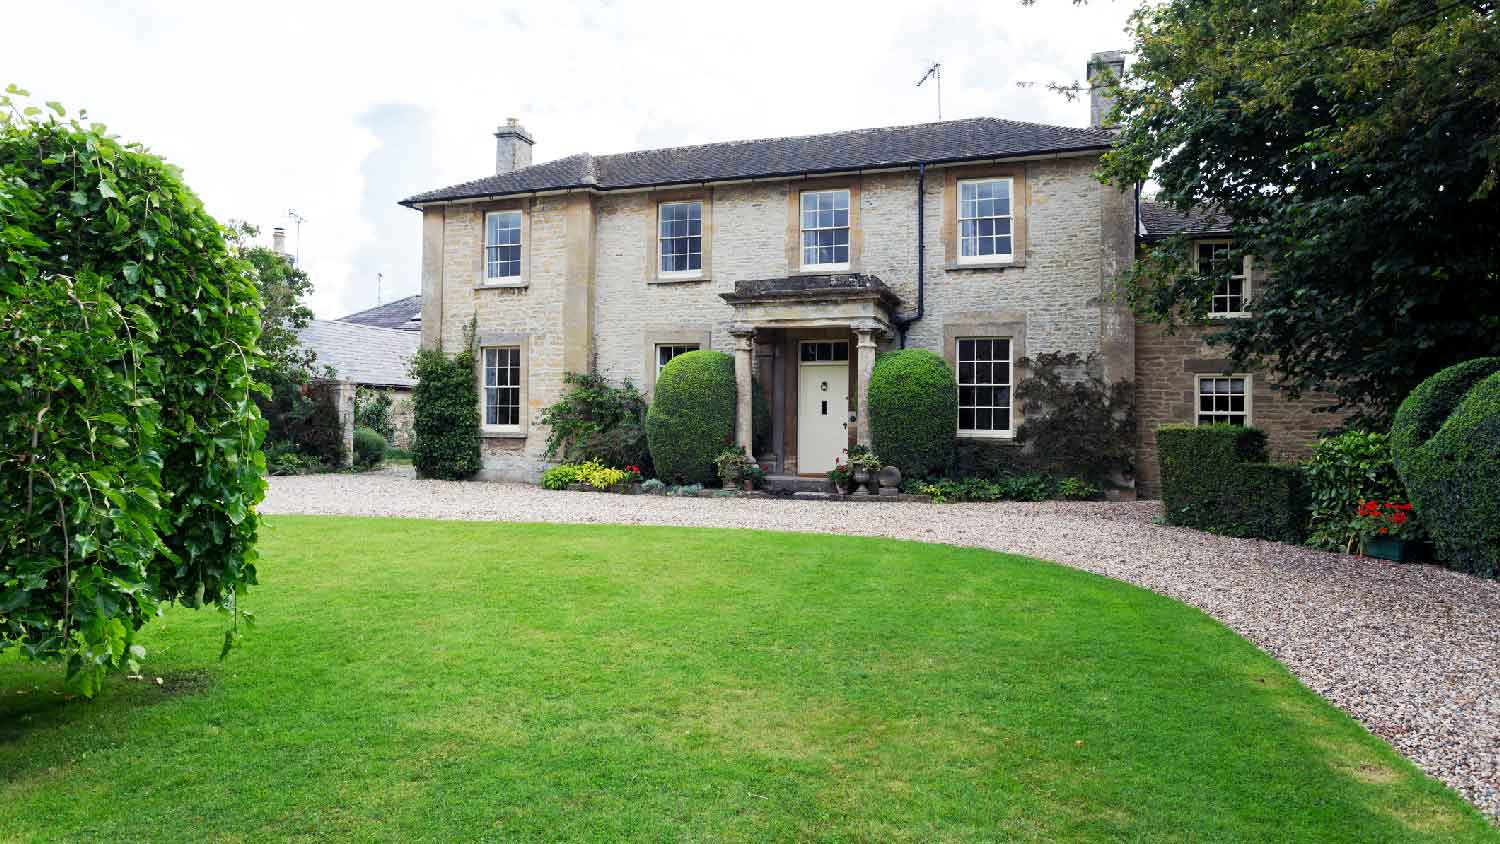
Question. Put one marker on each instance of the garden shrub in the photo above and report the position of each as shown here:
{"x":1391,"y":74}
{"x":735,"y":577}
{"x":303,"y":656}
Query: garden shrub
{"x":369,"y":448}
{"x":1345,"y":470}
{"x":130,"y":446}
{"x":559,"y":477}
{"x":692,"y":414}
{"x":913,"y":407}
{"x":1216,"y":478}
{"x":1074,"y":423}
{"x":372,"y":409}
{"x":445,"y":415}
{"x":305,"y":416}
{"x":989,"y":459}
{"x":594,"y":420}
{"x":1445,"y":443}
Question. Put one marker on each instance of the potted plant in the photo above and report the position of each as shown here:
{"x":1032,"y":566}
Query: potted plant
{"x":867,"y":468}
{"x":840,"y":474}
{"x":731,"y":464}
{"x":1387,"y":530}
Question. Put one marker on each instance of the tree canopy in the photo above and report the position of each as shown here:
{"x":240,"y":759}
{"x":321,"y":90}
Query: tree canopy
{"x":1356,"y":146}
{"x":130,"y":461}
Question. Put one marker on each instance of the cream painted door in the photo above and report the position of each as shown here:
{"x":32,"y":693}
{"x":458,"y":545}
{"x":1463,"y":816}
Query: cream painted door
{"x":822,"y":415}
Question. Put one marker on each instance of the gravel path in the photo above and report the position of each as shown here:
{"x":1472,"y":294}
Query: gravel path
{"x":1413,"y":652}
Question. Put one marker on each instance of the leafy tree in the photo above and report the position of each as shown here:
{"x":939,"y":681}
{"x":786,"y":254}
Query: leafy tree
{"x":283,"y":288}
{"x":372,"y":409}
{"x":1356,"y":145}
{"x":130,"y":461}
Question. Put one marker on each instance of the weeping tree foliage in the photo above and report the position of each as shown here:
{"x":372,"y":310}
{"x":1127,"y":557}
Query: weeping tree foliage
{"x":1356,"y":145}
{"x":130,"y":461}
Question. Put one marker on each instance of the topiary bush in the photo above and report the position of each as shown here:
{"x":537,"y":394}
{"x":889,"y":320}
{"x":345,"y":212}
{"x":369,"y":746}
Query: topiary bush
{"x":130,"y":461}
{"x":369,"y":448}
{"x":445,"y":415}
{"x":913,"y":407}
{"x":1445,"y":443}
{"x":691,"y":418}
{"x":1216,"y":478}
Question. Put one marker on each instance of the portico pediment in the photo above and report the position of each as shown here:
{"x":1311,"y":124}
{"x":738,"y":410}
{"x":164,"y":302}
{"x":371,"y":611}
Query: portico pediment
{"x":812,"y":301}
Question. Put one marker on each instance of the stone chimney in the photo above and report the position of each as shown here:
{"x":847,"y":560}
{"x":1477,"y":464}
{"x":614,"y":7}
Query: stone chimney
{"x":1103,"y":69}
{"x":278,"y":240}
{"x":512,"y":147}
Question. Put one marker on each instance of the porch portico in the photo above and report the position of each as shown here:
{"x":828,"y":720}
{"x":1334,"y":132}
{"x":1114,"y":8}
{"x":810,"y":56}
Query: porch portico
{"x":811,"y":342}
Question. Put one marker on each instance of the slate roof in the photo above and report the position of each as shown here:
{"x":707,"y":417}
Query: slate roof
{"x":1159,"y":221}
{"x":863,"y":149}
{"x":405,"y":314}
{"x":365,"y":354}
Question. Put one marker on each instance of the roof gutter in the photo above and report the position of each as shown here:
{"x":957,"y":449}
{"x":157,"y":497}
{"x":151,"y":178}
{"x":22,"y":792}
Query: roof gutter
{"x":1078,"y":152}
{"x":904,"y":323}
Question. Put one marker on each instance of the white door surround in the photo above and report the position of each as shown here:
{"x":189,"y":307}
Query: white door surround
{"x":822,"y":405}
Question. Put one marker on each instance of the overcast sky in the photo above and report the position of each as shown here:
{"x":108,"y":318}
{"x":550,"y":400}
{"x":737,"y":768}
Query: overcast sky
{"x":340,"y":110}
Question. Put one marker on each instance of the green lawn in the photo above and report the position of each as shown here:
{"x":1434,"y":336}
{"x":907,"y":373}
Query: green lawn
{"x":443,"y":682}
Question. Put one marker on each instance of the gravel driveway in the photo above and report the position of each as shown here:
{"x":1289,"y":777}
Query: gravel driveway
{"x":1413,"y":652}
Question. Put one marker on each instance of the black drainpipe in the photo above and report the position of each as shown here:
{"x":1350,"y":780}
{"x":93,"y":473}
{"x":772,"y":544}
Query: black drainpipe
{"x":904,"y":323}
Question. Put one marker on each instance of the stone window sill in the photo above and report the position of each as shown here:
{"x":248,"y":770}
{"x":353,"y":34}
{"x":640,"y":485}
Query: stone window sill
{"x":686,"y":279}
{"x":955,"y":266}
{"x":517,"y":285}
{"x":502,"y":435}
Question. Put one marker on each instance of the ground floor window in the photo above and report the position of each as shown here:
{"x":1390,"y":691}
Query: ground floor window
{"x":502,"y":387}
{"x":666,"y":351}
{"x":984,"y":382}
{"x":1224,"y":399}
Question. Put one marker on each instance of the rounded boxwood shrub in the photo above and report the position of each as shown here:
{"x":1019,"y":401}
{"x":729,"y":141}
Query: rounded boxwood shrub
{"x":913,"y":407}
{"x":1445,"y":443}
{"x":691,"y":419}
{"x":369,"y":448}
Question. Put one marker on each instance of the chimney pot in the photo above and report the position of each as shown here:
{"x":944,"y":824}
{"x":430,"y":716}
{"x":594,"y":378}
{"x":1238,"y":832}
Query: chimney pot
{"x":1104,"y":69}
{"x":512,"y":147}
{"x":278,"y":240}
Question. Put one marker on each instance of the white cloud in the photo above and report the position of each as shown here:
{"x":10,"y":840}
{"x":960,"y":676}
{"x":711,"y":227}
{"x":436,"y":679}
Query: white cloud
{"x":339,"y":110}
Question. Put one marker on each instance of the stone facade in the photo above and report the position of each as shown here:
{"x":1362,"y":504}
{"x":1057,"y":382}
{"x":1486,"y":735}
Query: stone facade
{"x":1167,"y":367}
{"x":590,"y":298}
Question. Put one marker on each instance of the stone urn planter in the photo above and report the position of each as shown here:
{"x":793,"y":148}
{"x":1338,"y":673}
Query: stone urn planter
{"x":861,"y":478}
{"x":890,"y":481}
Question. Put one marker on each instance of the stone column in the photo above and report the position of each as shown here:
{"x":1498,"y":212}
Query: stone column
{"x":343,"y":394}
{"x":865,"y":363}
{"x":744,"y":375}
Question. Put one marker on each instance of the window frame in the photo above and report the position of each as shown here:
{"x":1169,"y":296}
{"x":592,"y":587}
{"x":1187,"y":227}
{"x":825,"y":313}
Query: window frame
{"x":1198,"y":411}
{"x":684,"y":346}
{"x":519,"y":279}
{"x":1010,"y":364}
{"x":519,"y":387}
{"x":1243,"y":275}
{"x":959,"y":218}
{"x":848,"y":227}
{"x":702,"y":236}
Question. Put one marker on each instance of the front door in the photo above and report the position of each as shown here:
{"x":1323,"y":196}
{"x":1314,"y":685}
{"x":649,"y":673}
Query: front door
{"x":822,"y":404}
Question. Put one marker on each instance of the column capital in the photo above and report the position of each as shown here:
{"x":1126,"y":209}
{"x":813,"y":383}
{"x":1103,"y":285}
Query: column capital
{"x":741,"y":329}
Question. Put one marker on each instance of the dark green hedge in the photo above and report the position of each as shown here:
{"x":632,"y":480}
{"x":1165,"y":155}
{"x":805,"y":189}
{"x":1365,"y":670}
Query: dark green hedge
{"x":913,"y":412}
{"x":1216,"y":478}
{"x":1445,"y":443}
{"x":691,"y":419}
{"x":445,"y":416}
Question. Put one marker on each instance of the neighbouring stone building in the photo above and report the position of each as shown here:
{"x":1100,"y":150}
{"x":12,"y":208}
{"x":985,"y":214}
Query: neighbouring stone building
{"x":366,"y":356}
{"x":984,"y":240}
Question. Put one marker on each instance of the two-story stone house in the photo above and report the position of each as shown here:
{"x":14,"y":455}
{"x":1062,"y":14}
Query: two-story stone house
{"x":984,"y":240}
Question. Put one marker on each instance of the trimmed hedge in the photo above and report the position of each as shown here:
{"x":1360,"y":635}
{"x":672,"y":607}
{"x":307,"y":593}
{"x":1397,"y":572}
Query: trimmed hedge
{"x":691,"y":418}
{"x":1445,"y":443}
{"x":913,"y":412}
{"x":1216,"y":478}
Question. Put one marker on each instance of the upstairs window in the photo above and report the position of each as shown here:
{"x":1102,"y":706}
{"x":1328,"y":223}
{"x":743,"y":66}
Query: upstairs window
{"x":1230,"y":294}
{"x":984,"y":221}
{"x":680,"y":238}
{"x":502,"y":388}
{"x":1224,"y":399}
{"x":502,"y":245}
{"x":825,"y":229}
{"x":665,"y":352}
{"x":984,"y":382}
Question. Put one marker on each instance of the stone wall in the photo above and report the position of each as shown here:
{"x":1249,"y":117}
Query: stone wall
{"x":1053,"y":292}
{"x":1166,"y":370}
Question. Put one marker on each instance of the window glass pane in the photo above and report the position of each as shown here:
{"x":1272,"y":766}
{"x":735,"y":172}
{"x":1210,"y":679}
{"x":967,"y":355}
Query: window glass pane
{"x":984,"y":218}
{"x":983,"y":384}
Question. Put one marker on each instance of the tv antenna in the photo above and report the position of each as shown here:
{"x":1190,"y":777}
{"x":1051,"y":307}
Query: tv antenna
{"x":935,"y":73}
{"x":378,"y":278}
{"x":299,"y":220}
